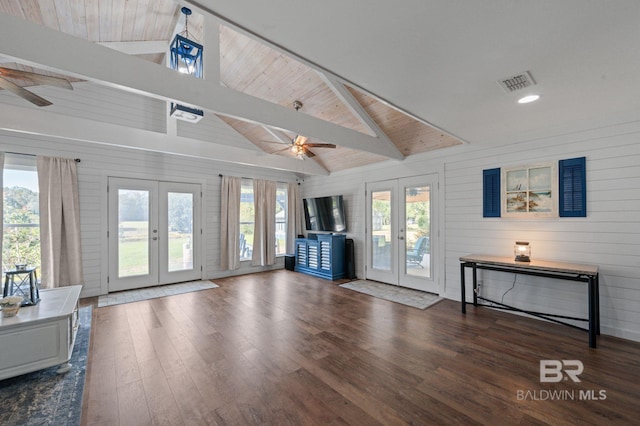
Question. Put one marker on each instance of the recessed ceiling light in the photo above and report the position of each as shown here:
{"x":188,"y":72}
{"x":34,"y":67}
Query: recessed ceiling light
{"x":528,"y":98}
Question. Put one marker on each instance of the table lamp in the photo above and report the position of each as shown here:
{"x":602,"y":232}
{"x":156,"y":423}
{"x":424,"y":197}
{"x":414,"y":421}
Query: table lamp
{"x":522,"y":251}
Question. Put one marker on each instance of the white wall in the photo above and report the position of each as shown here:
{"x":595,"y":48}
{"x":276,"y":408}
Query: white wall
{"x":609,"y":236}
{"x":100,"y":162}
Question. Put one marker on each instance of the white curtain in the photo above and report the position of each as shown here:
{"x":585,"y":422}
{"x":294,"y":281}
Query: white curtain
{"x":294,"y":215}
{"x":264,"y":235}
{"x":1,"y":207}
{"x":230,"y":222}
{"x":61,"y":254}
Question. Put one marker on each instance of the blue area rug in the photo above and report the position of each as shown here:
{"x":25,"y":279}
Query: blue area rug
{"x":45,"y":397}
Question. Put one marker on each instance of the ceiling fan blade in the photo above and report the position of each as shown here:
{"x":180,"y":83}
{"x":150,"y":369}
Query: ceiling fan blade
{"x":321,"y":145}
{"x":23,"y":93}
{"x":281,"y":150}
{"x":308,"y":153}
{"x":36,"y":78}
{"x":278,"y":143}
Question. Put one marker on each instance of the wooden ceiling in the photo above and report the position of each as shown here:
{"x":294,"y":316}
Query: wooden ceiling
{"x":247,"y":65}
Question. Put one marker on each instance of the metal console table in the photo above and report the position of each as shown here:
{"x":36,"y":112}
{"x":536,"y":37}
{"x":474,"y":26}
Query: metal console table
{"x":539,"y":268}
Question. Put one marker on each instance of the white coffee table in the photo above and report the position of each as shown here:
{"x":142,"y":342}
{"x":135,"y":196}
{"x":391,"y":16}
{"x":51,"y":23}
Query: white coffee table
{"x":40,"y":336}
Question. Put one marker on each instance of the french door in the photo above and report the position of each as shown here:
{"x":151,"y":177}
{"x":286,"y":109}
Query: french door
{"x":402,"y":232}
{"x":154,"y":233}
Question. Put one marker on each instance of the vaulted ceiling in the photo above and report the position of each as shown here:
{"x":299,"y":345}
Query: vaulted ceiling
{"x":381,"y":80}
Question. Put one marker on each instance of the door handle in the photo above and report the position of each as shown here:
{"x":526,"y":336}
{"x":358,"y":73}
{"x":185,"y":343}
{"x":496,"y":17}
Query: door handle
{"x":154,"y":238}
{"x":401,"y":238}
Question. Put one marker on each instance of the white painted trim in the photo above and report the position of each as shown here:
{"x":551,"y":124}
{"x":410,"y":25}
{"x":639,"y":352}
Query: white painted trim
{"x":319,"y":69}
{"x":39,"y":46}
{"x":41,"y":122}
{"x":356,"y":109}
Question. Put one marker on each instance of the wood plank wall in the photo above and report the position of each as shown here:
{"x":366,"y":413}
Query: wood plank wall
{"x":99,"y":162}
{"x":608,"y":236}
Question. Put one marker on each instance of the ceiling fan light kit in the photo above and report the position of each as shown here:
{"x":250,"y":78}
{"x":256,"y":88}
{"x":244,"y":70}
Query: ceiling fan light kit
{"x":299,"y":146}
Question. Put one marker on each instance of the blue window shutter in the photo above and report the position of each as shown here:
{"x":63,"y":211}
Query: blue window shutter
{"x":491,"y":193}
{"x":573,"y":187}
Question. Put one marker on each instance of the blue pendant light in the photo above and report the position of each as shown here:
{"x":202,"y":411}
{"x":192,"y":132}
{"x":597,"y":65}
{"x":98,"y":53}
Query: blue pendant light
{"x":186,"y":58}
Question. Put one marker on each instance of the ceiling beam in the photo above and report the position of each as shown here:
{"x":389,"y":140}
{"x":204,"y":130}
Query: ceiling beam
{"x":37,"y":121}
{"x":347,"y":98}
{"x":137,"y":47}
{"x":42,"y":47}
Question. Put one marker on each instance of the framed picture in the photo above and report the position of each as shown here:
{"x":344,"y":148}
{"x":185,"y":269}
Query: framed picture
{"x":530,"y":191}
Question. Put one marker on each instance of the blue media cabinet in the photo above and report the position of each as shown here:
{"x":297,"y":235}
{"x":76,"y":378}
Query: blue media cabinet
{"x":321,"y":255}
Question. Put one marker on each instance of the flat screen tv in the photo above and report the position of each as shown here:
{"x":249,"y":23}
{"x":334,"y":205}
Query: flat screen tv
{"x":325,"y":214}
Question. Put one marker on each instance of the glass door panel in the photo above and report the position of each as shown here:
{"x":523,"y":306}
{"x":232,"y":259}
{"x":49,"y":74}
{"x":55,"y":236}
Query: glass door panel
{"x":180,"y":231}
{"x":382,"y":235}
{"x":133,"y":233}
{"x":381,"y":230}
{"x":418,"y":225}
{"x":180,"y":226}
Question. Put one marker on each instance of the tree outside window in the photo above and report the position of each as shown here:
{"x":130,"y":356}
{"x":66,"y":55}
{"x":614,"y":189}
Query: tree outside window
{"x":21,"y":214}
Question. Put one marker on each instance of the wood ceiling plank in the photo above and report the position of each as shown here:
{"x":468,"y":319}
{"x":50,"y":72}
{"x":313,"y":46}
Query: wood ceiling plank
{"x":247,"y":65}
{"x":408,"y":134}
{"x":105,"y":20}
{"x":129,"y":20}
{"x":12,"y":7}
{"x":258,"y":70}
{"x":92,"y":12}
{"x":160,"y":23}
{"x":78,"y":13}
{"x":339,"y":159}
{"x":139,"y":17}
{"x":117,"y":20}
{"x":31,"y":11}
{"x":49,"y":14}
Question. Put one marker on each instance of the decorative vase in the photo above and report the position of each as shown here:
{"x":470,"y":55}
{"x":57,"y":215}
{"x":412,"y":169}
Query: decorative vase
{"x":10,"y":311}
{"x":10,"y":305}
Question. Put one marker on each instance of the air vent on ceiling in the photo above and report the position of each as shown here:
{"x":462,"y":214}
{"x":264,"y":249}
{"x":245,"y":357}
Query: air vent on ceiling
{"x":517,"y":82}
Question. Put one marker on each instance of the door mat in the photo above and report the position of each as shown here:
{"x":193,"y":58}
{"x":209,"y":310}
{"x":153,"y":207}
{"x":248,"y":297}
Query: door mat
{"x":137,"y":295}
{"x":406,"y":296}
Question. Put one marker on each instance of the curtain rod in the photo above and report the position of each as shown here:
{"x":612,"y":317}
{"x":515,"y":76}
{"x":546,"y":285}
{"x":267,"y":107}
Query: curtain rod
{"x":242,"y":177}
{"x":77,"y":160}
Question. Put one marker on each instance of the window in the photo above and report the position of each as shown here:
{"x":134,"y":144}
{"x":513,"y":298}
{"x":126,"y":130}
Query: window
{"x":281,"y":219}
{"x":21,"y":214}
{"x":247,"y":219}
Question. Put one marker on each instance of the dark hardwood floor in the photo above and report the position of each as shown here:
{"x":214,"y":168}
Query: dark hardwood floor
{"x":284,"y":348}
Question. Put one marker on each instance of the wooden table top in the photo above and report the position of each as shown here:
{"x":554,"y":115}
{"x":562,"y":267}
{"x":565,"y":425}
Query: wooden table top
{"x":535,"y":264}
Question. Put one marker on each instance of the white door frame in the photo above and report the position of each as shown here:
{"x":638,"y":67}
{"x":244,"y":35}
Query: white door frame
{"x":158,"y":234}
{"x":396,"y":274}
